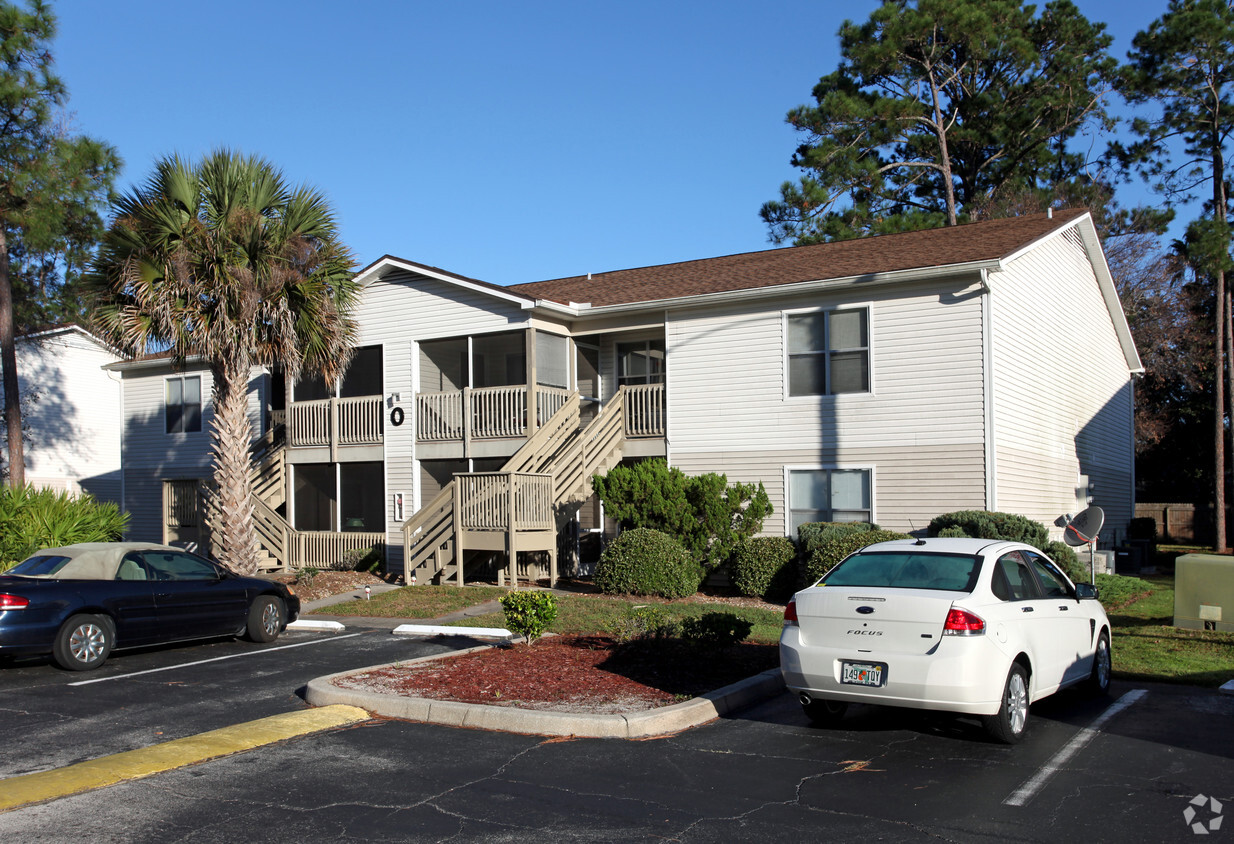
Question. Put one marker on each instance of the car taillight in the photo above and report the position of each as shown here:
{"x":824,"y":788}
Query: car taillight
{"x":963,"y":623}
{"x":13,"y":602}
{"x":790,"y":612}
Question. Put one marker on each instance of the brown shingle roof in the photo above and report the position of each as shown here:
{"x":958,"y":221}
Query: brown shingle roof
{"x":984,"y":241}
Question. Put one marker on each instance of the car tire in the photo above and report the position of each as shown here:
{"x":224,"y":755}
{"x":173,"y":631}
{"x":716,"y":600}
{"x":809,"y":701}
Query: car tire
{"x":1007,"y":725}
{"x":265,"y":619}
{"x":825,"y":713}
{"x":84,"y":642}
{"x":1098,"y":683}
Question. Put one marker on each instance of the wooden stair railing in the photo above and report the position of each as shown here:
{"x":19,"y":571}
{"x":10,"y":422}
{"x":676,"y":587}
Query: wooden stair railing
{"x":558,"y":448}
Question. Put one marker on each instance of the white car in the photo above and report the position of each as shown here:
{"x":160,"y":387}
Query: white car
{"x":973,"y":626}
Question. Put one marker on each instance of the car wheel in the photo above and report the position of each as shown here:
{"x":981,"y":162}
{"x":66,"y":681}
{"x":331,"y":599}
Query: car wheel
{"x":265,"y":619}
{"x":1099,"y":681}
{"x":825,"y":712}
{"x":1007,"y":725}
{"x":83,"y":643}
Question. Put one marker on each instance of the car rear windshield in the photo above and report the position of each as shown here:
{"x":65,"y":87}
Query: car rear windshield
{"x":40,"y":565}
{"x":907,"y":570}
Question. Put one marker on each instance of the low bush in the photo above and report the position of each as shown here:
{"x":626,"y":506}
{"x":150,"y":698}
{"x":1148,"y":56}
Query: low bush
{"x":990,"y":524}
{"x":763,"y":567}
{"x":362,"y":559}
{"x":305,"y":575}
{"x":715,"y":630}
{"x":827,"y":554}
{"x":31,"y":519}
{"x":529,"y":614}
{"x":641,"y":623}
{"x":812,"y":534}
{"x":647,"y":562}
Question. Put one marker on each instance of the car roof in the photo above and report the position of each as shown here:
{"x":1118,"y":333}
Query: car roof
{"x":945,"y":545}
{"x":95,"y":560}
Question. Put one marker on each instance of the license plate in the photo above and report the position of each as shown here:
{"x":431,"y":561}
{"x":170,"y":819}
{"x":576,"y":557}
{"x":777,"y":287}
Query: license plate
{"x":862,"y":673}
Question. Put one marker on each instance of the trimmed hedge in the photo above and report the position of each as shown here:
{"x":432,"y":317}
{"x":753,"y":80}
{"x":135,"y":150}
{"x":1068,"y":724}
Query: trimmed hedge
{"x":763,"y":567}
{"x":811,"y":534}
{"x":643,"y":561}
{"x":989,"y":524}
{"x":715,"y":630}
{"x":828,"y":553}
{"x":529,"y":614}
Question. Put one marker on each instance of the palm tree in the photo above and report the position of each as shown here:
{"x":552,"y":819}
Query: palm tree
{"x":226,"y":261}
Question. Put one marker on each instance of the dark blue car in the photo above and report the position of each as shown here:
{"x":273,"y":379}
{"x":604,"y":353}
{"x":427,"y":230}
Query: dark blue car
{"x":80,"y":602}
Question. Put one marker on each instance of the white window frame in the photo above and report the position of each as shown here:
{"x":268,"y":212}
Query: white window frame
{"x":787,"y":356}
{"x":201,"y":404}
{"x":826,"y":467}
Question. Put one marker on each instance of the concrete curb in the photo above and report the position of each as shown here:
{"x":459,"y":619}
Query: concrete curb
{"x":316,"y":624}
{"x":664,"y":720}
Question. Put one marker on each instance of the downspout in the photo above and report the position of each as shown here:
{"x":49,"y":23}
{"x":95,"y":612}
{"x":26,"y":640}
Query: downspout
{"x":987,"y":351}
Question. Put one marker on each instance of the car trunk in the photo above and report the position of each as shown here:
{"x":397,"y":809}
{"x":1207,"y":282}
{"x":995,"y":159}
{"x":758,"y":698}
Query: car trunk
{"x":878,"y":620}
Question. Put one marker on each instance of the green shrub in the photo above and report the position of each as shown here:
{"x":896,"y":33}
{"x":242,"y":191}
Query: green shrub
{"x":953,"y":532}
{"x":644,"y":623}
{"x":829,"y":553}
{"x":529,"y":614}
{"x":811,"y":534}
{"x":715,"y":629}
{"x":643,"y":561}
{"x":989,"y":524}
{"x":361,"y":559}
{"x":31,"y":519}
{"x":1064,"y":555}
{"x":705,"y":514}
{"x":763,"y":567}
{"x":305,"y":575}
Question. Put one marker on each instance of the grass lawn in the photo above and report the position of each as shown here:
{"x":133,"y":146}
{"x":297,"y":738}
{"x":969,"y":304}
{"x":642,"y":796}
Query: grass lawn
{"x":427,"y":601}
{"x":1146,"y":645}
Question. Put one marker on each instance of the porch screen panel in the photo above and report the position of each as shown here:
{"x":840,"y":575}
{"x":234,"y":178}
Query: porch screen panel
{"x":552,"y":360}
{"x":362,"y":496}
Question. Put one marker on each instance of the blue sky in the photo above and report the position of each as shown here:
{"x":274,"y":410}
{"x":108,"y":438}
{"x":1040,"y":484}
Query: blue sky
{"x":505,"y":141}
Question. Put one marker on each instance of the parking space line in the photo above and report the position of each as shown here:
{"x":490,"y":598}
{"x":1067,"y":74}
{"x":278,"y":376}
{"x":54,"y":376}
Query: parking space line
{"x":1029,"y":789}
{"x":212,"y":659}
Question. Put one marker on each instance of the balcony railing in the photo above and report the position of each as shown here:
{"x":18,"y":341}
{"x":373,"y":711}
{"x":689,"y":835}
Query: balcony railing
{"x":334,"y":422}
{"x":645,"y":412}
{"x":482,"y":413}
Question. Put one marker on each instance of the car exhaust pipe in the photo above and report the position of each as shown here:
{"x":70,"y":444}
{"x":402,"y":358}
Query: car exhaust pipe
{"x":804,"y":698}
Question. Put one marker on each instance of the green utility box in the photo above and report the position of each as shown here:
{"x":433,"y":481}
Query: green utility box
{"x":1204,"y":592}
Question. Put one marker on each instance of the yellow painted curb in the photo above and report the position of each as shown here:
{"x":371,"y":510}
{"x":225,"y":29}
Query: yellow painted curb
{"x":133,"y":764}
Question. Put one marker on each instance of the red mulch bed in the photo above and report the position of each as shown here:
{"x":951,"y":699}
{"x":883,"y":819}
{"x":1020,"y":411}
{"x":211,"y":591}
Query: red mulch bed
{"x":574,"y":674}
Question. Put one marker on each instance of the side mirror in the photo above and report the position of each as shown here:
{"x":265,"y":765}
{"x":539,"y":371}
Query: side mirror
{"x":1085,"y":590}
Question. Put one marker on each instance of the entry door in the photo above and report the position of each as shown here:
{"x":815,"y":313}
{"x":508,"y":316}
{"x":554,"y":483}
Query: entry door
{"x":182,"y":513}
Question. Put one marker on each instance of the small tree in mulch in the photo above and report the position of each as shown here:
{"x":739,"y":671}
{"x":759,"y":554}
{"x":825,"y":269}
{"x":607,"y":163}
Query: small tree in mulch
{"x":529,"y":614}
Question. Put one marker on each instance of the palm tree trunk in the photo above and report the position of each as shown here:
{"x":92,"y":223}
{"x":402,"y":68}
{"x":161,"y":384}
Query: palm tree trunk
{"x":234,"y":537}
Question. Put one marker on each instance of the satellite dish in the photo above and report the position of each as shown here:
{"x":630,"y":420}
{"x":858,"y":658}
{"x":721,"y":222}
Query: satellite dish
{"x":1084,"y":526}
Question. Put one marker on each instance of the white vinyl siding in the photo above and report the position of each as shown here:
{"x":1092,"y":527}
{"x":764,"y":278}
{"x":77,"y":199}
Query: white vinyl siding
{"x":71,"y":408}
{"x":1062,"y":403}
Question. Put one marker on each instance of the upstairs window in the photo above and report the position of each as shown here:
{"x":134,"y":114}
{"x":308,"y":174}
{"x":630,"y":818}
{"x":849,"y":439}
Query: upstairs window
{"x":183,"y":407}
{"x":829,"y":352}
{"x":640,"y":363}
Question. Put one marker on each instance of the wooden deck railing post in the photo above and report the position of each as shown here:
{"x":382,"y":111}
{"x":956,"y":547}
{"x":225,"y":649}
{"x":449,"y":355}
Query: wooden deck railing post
{"x":459,"y":547}
{"x":511,"y":554}
{"x":467,"y":421}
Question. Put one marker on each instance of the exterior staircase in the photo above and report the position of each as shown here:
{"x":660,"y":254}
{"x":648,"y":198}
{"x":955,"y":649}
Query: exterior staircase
{"x":437,"y":538}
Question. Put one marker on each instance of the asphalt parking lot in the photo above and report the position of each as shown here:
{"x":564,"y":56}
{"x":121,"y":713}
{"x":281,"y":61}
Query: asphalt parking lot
{"x":763,"y":773}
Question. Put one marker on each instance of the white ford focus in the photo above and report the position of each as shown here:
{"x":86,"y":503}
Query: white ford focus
{"x":973,"y":626}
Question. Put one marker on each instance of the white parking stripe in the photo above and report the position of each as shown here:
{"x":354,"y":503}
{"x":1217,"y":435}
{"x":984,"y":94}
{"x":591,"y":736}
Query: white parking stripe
{"x":1029,"y":789}
{"x":212,"y":659}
